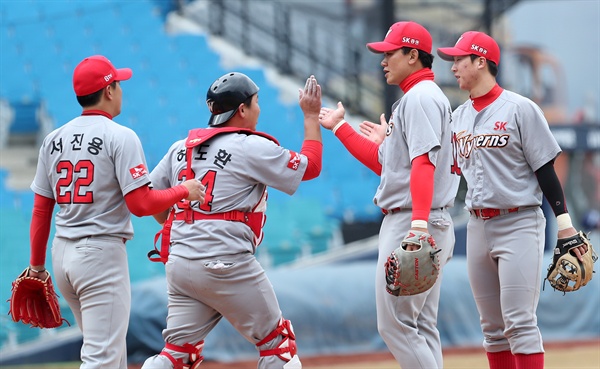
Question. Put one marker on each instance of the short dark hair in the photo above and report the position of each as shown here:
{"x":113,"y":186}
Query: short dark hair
{"x":248,"y":101}
{"x":425,"y":58}
{"x":93,"y":98}
{"x":492,"y":67}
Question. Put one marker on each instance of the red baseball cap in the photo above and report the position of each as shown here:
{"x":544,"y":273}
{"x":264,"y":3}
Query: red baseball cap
{"x":472,"y":42}
{"x":403,"y":34}
{"x":96,"y":72}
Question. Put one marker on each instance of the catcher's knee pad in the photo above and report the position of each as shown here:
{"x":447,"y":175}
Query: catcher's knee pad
{"x":286,"y":349}
{"x":194,"y":355}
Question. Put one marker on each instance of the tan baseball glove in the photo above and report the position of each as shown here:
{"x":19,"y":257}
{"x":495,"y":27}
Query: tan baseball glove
{"x":566,"y":273}
{"x":412,"y":272}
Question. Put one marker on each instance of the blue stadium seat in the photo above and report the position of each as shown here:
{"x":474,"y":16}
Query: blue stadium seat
{"x":25,"y":120}
{"x":5,"y":194}
{"x":52,"y":10}
{"x":310,"y":220}
{"x":165,"y":98}
{"x":282,"y":242}
{"x":19,"y":12}
{"x":194,"y":49}
{"x":357,"y":200}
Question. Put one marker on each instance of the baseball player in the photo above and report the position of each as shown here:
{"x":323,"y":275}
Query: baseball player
{"x":95,"y":170}
{"x":211,"y":269}
{"x":417,"y":185}
{"x":504,"y":149}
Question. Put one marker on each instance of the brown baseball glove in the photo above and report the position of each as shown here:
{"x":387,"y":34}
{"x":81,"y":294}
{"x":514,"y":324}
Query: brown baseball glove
{"x":33,"y":301}
{"x":412,"y":272}
{"x":566,"y":273}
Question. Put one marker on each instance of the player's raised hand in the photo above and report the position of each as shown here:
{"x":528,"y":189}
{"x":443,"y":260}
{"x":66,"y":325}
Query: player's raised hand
{"x":196,"y":190}
{"x":310,"y":97}
{"x":373,"y":131}
{"x":329,"y":117}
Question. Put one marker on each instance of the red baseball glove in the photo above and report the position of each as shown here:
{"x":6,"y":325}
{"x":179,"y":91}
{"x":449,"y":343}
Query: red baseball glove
{"x":33,"y":301}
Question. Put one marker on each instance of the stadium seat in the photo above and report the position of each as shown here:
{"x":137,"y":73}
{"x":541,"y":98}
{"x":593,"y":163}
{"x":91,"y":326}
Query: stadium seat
{"x":166,"y":96}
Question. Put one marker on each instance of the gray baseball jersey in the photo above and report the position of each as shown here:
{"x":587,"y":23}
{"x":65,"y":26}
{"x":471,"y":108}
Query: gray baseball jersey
{"x":87,"y":166}
{"x":499,"y":149}
{"x":236,"y":169}
{"x":420,"y":123}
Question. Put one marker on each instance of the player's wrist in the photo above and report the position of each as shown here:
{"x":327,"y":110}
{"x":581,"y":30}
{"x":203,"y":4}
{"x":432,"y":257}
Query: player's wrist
{"x":37,"y":269}
{"x":418,"y":224}
{"x":338,"y":125}
{"x":564,"y":222}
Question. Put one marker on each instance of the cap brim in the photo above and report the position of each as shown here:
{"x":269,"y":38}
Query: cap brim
{"x":215,"y":120}
{"x":382,"y":47}
{"x":123,"y":74}
{"x":448,"y":53}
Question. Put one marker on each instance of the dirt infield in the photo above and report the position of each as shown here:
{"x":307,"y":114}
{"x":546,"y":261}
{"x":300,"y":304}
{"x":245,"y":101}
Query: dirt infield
{"x":563,"y":355}
{"x":566,"y":355}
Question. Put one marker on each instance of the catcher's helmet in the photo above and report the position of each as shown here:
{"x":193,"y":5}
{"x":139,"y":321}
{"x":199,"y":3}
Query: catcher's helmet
{"x":226,"y":94}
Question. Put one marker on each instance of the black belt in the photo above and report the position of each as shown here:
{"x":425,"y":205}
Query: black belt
{"x":397,"y":210}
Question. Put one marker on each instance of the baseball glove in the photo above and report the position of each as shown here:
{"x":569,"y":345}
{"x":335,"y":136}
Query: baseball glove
{"x":33,"y":301}
{"x":566,"y":273}
{"x":412,"y":272}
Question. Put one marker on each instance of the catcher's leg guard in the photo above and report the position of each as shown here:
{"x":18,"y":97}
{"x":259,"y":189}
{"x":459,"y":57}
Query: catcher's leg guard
{"x":194,"y":355}
{"x":286,"y":350}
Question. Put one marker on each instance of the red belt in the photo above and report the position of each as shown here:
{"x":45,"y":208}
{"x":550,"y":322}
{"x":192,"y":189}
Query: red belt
{"x":491,"y":213}
{"x":391,"y":211}
{"x":190,"y":216}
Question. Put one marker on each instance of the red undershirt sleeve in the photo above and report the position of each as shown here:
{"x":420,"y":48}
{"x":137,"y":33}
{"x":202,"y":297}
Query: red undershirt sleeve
{"x":421,"y":187}
{"x":145,"y":201}
{"x":39,"y":230}
{"x":313,"y":150}
{"x":363,"y":149}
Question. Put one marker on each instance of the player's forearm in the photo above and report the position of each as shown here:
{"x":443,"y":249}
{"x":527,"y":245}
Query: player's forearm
{"x":145,"y":201}
{"x":39,"y":230}
{"x":313,"y":150}
{"x":161,"y":217}
{"x":312,"y":128}
{"x":421,"y":187}
{"x":553,"y":192}
{"x":364,"y":150}
{"x":551,"y":188}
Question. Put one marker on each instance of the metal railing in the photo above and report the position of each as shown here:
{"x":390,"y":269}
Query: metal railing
{"x":298,"y":40}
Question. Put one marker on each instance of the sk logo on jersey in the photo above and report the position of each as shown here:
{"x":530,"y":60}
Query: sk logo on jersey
{"x":138,"y":171}
{"x":294,"y":162}
{"x":500,"y":126}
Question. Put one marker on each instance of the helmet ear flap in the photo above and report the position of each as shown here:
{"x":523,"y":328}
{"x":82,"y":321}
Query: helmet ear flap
{"x":226,"y":94}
